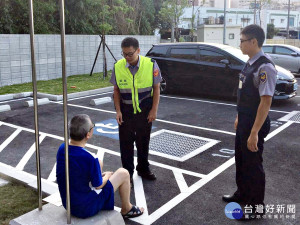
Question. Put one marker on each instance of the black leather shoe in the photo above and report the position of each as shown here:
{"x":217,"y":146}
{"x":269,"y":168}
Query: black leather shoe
{"x":231,"y":198}
{"x":147,"y":175}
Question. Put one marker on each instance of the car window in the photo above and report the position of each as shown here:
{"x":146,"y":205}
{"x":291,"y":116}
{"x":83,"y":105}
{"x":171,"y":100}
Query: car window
{"x":211,"y":56}
{"x":267,"y":49}
{"x":158,"y":51}
{"x":184,"y":53}
{"x":235,"y":62}
{"x":283,"y":51}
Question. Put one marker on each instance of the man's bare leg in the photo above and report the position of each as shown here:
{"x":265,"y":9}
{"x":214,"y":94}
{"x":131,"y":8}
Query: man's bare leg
{"x":121,"y":179}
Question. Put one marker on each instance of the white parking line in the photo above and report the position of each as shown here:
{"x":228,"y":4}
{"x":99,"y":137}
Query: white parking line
{"x":159,"y":120}
{"x":10,"y":138}
{"x":195,"y":127}
{"x":182,"y":196}
{"x":28,"y":154}
{"x":212,"y":102}
{"x":180,"y":181}
{"x":197,"y":100}
{"x":52,"y":175}
{"x":139,"y":191}
{"x":278,"y":130}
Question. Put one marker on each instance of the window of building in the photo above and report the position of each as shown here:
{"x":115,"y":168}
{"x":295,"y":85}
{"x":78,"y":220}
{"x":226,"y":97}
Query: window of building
{"x":245,"y":20}
{"x":272,"y":21}
{"x":282,"y":20}
{"x":231,"y":36}
{"x":230,"y":20}
{"x":184,"y":53}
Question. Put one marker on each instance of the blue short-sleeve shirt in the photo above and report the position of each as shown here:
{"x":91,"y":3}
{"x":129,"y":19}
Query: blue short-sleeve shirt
{"x":84,"y":174}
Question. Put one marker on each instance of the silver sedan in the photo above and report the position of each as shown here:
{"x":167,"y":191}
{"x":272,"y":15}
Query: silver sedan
{"x":286,"y":56}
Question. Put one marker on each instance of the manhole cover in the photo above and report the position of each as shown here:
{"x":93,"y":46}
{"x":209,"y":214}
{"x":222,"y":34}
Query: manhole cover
{"x":292,"y":116}
{"x":178,"y":146}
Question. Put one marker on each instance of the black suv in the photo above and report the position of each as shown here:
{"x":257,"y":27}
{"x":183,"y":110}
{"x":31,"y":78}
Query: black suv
{"x":209,"y":69}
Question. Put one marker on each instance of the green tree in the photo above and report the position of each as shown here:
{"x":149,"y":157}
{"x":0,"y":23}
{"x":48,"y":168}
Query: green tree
{"x":170,"y":13}
{"x":15,"y":16}
{"x":81,"y":16}
{"x":271,"y":31}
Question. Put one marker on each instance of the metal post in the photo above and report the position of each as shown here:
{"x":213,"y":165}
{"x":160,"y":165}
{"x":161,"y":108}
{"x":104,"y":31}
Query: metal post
{"x":288,"y":22}
{"x":63,"y":60}
{"x":36,"y":122}
{"x":224,"y":30}
{"x":91,"y":73}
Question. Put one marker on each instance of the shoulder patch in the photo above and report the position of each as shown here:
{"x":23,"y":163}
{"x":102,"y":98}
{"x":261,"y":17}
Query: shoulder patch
{"x":263,"y":76}
{"x":155,"y":72}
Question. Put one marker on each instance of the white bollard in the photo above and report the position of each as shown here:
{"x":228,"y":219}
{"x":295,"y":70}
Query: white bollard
{"x":41,"y":101}
{"x":4,"y":108}
{"x":99,"y":101}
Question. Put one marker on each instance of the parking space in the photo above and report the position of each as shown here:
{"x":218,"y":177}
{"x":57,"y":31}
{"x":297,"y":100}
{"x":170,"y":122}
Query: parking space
{"x":191,"y":152}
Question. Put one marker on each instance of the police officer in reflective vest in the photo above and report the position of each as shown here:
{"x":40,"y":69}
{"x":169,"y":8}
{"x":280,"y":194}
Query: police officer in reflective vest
{"x":136,"y":81}
{"x":256,"y":89}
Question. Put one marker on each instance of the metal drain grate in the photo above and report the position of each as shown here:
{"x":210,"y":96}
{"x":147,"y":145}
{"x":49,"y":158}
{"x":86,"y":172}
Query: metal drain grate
{"x":292,"y":116}
{"x":178,"y":146}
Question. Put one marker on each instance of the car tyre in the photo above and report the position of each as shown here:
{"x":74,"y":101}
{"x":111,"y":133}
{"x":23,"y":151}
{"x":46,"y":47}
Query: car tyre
{"x":164,"y":88}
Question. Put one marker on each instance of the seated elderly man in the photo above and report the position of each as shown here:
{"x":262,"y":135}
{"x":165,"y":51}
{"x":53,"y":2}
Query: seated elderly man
{"x":90,"y":189}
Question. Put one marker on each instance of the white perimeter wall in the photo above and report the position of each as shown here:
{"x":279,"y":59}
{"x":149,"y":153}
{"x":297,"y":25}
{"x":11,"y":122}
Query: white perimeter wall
{"x":15,"y":55}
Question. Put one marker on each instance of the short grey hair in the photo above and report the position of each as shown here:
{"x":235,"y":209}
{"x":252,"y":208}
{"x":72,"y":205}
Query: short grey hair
{"x":79,"y":126}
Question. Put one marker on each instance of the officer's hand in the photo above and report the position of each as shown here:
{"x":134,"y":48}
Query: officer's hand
{"x":236,"y":122}
{"x":119,"y":118}
{"x":152,"y":115}
{"x":252,"y":142}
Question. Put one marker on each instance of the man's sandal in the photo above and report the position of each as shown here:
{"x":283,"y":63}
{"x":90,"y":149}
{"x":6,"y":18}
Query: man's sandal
{"x":133,"y":212}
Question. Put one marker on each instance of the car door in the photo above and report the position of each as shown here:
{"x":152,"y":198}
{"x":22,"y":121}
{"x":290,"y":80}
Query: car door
{"x":217,"y":78}
{"x":182,"y":66}
{"x":282,"y":57}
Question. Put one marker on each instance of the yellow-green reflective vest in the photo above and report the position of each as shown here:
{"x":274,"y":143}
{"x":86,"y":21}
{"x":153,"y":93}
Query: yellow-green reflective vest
{"x":134,"y":89}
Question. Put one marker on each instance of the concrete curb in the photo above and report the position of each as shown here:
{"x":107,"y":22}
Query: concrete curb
{"x":56,"y":97}
{"x":55,"y":215}
{"x":75,"y":95}
{"x":6,"y":97}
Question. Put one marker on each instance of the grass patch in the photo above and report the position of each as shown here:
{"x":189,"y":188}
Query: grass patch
{"x":16,"y":200}
{"x":81,"y":82}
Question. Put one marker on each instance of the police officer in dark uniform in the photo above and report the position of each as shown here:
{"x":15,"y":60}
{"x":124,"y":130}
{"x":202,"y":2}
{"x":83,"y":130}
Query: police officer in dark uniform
{"x":256,"y":89}
{"x":136,"y":81}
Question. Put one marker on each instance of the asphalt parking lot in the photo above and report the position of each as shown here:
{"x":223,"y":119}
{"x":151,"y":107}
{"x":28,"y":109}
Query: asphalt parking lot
{"x":191,"y":152}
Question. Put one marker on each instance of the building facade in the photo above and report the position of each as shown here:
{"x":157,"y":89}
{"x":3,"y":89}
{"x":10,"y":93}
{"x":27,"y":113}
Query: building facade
{"x":240,"y":17}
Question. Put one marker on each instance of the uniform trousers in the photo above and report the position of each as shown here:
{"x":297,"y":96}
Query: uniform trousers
{"x":135,"y":128}
{"x":250,"y":175}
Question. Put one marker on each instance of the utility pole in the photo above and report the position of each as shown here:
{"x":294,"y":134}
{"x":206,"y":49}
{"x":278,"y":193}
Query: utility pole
{"x":193,"y":19}
{"x":224,"y":30}
{"x":288,"y":22}
{"x":254,"y":12}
